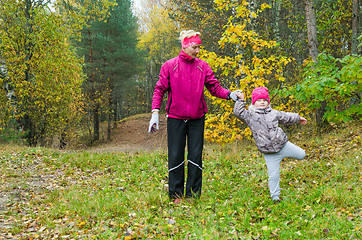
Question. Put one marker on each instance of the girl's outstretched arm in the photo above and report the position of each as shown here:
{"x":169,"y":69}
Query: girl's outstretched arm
{"x":303,"y":121}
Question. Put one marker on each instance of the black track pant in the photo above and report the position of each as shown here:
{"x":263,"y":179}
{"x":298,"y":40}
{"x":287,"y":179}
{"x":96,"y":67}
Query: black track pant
{"x":177,"y":131}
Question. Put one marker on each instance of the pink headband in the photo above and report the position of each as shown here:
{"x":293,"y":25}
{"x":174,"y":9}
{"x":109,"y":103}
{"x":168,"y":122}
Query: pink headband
{"x":188,"y":42}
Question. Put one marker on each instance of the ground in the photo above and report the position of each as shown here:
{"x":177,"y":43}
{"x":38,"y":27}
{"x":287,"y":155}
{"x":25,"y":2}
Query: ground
{"x":28,"y":175}
{"x":131,"y":135}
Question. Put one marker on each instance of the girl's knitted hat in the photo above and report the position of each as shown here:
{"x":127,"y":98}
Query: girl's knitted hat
{"x":260,"y":93}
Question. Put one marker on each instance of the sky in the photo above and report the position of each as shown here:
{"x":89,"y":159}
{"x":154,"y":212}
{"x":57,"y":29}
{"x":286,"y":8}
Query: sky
{"x":137,"y":4}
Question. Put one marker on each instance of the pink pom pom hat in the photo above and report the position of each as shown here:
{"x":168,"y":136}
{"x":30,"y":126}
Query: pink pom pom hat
{"x":260,"y":93}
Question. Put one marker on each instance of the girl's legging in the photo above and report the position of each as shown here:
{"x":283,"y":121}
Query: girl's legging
{"x":273,"y":162}
{"x":178,"y":130}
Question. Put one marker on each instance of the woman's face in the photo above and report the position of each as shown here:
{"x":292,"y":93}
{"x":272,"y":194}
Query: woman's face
{"x":261,"y":103}
{"x":193,"y":50}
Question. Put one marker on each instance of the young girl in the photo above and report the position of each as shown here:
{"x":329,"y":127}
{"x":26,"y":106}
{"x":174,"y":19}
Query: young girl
{"x":270,"y":139}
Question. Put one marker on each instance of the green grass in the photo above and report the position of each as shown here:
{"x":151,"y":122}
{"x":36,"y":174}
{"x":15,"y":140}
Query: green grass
{"x":87,"y":195}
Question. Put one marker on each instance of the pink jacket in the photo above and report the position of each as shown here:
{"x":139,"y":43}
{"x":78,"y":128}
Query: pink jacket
{"x":184,"y":80}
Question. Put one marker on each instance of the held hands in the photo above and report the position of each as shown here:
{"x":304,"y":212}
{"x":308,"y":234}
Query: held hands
{"x":240,"y":95}
{"x":303,"y":121}
{"x":153,"y":123}
{"x":233,"y":95}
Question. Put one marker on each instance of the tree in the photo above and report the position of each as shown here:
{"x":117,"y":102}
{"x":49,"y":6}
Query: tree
{"x":329,"y":85}
{"x":202,"y":16}
{"x":43,"y":73}
{"x":83,"y":14}
{"x":332,"y":81}
{"x":159,"y":40}
{"x":312,"y":29}
{"x":116,"y":42}
{"x":108,"y":44}
{"x":354,"y":48}
{"x":285,"y":22}
{"x":334,"y":20}
{"x":249,"y":64}
{"x":313,"y":52}
{"x":355,"y":27}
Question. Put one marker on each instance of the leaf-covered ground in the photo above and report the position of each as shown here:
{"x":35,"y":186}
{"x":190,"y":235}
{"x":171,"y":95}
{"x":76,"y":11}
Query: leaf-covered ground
{"x":48,"y":194}
{"x":131,"y":136}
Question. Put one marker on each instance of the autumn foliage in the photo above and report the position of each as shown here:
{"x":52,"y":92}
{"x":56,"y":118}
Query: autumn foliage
{"x":43,"y":73}
{"x":69,"y":67}
{"x":249,"y":64}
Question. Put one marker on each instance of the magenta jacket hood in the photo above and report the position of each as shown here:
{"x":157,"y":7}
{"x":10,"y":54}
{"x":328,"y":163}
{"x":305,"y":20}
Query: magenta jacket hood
{"x":184,"y":81}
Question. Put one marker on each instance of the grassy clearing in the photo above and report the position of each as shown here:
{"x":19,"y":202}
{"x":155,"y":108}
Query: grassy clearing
{"x":46,"y":194}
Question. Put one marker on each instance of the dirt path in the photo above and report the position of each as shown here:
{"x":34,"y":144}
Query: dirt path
{"x":131,"y":135}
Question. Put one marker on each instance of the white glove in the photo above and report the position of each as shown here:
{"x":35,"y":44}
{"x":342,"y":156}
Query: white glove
{"x":153,"y":123}
{"x":233,"y":95}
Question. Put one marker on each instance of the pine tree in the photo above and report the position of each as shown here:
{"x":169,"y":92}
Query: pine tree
{"x":120,"y":58}
{"x":109,"y":49}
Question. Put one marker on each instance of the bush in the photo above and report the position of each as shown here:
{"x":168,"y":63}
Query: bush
{"x":12,"y":133}
{"x":334,"y":82}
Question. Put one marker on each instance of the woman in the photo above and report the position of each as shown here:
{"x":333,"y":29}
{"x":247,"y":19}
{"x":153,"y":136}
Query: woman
{"x":184,"y":78}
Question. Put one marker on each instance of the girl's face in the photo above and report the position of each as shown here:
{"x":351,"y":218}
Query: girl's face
{"x":261,"y":103}
{"x":193,"y":50}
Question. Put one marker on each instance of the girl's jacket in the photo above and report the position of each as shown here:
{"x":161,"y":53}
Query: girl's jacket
{"x":184,"y":80}
{"x":263,"y":123}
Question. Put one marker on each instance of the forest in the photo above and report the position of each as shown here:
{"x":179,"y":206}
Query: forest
{"x":77,"y":79}
{"x":72,"y":69}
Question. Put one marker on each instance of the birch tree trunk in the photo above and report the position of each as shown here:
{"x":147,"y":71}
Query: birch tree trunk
{"x":355,"y":30}
{"x":312,"y":29}
{"x":313,"y":52}
{"x":278,"y":5}
{"x":354,"y":48}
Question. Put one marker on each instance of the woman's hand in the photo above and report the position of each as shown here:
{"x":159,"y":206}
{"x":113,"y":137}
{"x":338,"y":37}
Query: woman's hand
{"x":233,"y":95}
{"x":153,"y":122}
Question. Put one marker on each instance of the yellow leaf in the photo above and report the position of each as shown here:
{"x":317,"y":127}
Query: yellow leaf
{"x":81,"y":224}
